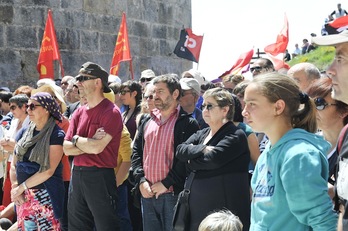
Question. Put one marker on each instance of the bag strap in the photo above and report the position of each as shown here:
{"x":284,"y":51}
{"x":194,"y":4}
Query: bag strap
{"x":189,"y":181}
{"x":341,"y":138}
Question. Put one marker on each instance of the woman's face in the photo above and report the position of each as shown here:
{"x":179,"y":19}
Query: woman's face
{"x":17,"y":111}
{"x":258,"y":110}
{"x":328,"y":116}
{"x":212,"y":113}
{"x":35,"y":111}
{"x":127,"y":96}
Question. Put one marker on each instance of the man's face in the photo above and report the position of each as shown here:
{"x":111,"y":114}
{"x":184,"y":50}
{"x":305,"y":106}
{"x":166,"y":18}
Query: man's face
{"x":301,"y":79}
{"x":162,"y":97}
{"x":338,"y":72}
{"x":187,"y":99}
{"x":258,"y":67}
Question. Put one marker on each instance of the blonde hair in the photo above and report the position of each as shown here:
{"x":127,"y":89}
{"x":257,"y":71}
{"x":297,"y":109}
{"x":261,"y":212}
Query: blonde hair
{"x":223,"y":220}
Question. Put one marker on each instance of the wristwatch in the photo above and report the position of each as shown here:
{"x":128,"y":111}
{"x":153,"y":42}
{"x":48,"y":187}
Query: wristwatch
{"x":74,"y":140}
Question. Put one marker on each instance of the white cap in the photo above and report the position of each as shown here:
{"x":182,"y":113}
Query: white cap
{"x":190,"y":84}
{"x":114,"y":79}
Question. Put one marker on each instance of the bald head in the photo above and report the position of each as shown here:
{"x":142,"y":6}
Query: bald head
{"x":304,"y":74}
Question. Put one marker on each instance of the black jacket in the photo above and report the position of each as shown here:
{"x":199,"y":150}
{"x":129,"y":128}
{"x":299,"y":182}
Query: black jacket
{"x":184,"y":127}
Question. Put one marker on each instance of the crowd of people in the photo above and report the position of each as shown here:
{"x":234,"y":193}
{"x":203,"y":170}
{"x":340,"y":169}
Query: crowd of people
{"x":93,"y":152}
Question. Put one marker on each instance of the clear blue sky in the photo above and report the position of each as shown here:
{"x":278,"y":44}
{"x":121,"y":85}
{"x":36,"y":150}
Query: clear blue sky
{"x":233,"y":27}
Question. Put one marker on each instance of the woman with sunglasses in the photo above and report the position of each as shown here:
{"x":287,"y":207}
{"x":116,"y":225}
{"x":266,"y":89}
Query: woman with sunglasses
{"x":36,"y":169}
{"x":331,"y":116}
{"x":20,"y":120}
{"x":289,"y":183}
{"x":131,"y":97}
{"x":219,"y":156}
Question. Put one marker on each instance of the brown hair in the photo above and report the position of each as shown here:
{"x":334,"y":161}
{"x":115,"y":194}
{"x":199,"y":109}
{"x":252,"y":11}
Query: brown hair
{"x":275,"y":86}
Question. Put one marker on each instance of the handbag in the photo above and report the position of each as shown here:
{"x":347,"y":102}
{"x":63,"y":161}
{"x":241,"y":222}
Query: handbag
{"x":181,"y":218}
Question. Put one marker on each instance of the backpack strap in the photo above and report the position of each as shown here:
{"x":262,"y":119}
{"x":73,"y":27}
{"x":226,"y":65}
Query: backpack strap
{"x":341,"y":138}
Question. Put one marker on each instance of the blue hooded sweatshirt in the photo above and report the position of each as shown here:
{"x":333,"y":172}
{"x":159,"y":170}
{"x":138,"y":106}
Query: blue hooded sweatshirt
{"x":290,"y":185}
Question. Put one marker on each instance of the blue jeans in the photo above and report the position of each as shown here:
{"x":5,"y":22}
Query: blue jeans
{"x":122,"y":208}
{"x":158,"y":213}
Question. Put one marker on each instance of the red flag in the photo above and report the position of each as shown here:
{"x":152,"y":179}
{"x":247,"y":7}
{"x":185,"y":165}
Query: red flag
{"x":122,"y":51}
{"x":242,"y":61}
{"x":278,"y":62}
{"x":189,"y":45}
{"x":49,"y":51}
{"x":282,"y":40}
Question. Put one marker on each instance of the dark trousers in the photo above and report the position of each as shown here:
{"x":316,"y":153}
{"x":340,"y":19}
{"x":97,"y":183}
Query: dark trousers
{"x":92,"y":199}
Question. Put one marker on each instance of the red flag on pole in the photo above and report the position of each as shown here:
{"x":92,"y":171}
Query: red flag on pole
{"x":241,"y":62}
{"x":189,"y":45}
{"x":278,"y":62}
{"x":122,"y":51}
{"x":49,"y":51}
{"x":282,"y":40}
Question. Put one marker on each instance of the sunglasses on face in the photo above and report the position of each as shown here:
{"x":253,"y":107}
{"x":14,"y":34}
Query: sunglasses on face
{"x":13,"y":107}
{"x":208,"y":106}
{"x":145,"y":80}
{"x":64,"y":83}
{"x":83,"y":78}
{"x":123,"y":92}
{"x":257,"y":68}
{"x":146,"y":97}
{"x":320,"y":103}
{"x":32,"y":106}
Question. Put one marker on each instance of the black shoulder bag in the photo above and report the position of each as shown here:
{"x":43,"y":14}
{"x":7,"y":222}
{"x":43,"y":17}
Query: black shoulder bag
{"x":181,"y":219}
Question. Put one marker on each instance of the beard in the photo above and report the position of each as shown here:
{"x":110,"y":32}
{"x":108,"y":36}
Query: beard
{"x":165,"y":104}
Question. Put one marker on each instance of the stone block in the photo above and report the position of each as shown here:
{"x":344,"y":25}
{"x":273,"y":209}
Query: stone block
{"x":106,"y":23}
{"x":107,"y":42}
{"x":72,"y":4}
{"x":102,"y":7}
{"x":68,"y":39}
{"x":31,"y":16}
{"x":138,"y":28}
{"x":6,"y":14}
{"x":159,"y":31}
{"x":21,"y":37}
{"x":89,"y":41}
{"x":1,"y":36}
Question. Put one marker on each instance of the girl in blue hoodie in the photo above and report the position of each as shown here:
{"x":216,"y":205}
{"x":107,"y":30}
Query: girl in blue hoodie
{"x":289,"y":183}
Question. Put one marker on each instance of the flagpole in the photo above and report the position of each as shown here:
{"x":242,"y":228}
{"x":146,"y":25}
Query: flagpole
{"x":199,"y":52}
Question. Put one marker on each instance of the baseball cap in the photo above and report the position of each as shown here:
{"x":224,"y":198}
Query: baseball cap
{"x":148,"y":73}
{"x":190,"y":84}
{"x":95,"y":70}
{"x":195,"y":74}
{"x":331,"y":40}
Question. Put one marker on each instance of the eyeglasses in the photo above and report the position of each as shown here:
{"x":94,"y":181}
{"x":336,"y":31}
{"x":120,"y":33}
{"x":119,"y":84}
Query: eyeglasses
{"x":148,"y":97}
{"x":145,"y":79}
{"x":257,"y":68}
{"x":13,"y":107}
{"x":83,"y":78}
{"x":32,"y":106}
{"x":208,"y":106}
{"x":186,"y":93}
{"x":320,"y":103}
{"x":123,"y":92}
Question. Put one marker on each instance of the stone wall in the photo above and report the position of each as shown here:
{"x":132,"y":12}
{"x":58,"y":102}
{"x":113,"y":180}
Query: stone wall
{"x":86,"y":31}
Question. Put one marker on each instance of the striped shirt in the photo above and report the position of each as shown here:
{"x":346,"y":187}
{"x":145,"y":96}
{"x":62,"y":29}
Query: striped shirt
{"x":159,"y":146}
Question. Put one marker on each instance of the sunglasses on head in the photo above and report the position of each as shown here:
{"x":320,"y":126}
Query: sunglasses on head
{"x":208,"y":106}
{"x":320,"y":103}
{"x":257,"y":68}
{"x":83,"y":78}
{"x":32,"y":106}
{"x":148,"y":97}
{"x":123,"y":92}
{"x":145,"y":79}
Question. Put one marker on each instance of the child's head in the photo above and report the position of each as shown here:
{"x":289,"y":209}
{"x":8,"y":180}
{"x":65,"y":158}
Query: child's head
{"x":283,"y":91}
{"x":223,"y":220}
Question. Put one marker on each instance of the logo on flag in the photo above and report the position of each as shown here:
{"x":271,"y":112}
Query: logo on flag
{"x":189,"y":45}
